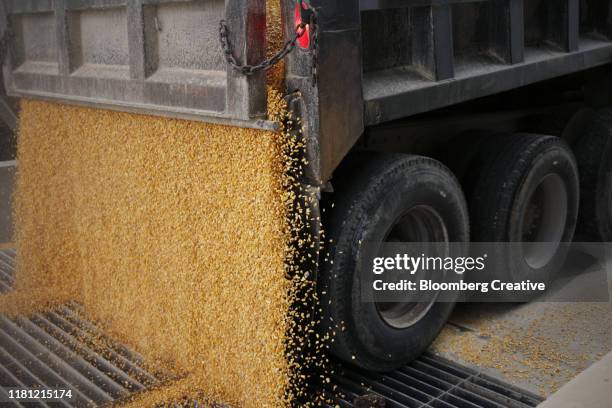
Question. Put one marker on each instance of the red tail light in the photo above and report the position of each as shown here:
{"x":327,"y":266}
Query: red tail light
{"x":304,"y":40}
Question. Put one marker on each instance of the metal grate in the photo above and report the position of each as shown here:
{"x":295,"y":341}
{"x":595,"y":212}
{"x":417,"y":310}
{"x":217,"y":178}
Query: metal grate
{"x":7,"y":269}
{"x":429,"y":382}
{"x":62,"y":350}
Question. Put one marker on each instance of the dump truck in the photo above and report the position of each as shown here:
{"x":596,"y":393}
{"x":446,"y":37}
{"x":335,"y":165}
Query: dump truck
{"x":422,"y":120}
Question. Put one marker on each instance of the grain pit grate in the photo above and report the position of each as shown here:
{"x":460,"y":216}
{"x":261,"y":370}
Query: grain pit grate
{"x":429,"y":382}
{"x":60,"y":349}
{"x":7,"y":269}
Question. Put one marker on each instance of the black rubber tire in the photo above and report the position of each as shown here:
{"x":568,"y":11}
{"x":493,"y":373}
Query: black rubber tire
{"x":510,"y":169}
{"x":368,"y":201}
{"x":593,"y":152}
{"x":562,"y":121}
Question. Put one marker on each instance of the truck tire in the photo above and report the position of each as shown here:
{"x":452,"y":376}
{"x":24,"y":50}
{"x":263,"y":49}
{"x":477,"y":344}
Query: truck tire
{"x":526,"y":192}
{"x":593,"y":152}
{"x":389,"y":190}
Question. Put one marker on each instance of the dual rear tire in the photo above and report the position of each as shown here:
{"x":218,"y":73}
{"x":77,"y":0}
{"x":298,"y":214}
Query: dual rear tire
{"x":521,"y":188}
{"x":526,"y":194}
{"x":593,"y":149}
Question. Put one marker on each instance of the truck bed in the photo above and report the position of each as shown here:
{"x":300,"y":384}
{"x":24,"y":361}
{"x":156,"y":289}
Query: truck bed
{"x":424,"y":55}
{"x":397,"y":92}
{"x":160,"y":57}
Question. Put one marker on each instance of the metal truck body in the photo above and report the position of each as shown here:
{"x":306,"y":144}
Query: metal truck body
{"x":377,"y":60}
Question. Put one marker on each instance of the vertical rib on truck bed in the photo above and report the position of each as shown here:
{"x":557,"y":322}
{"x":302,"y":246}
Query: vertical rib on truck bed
{"x":154,"y":56}
{"x":421,"y":55}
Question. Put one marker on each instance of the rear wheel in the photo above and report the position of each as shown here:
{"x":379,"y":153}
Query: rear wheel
{"x":593,"y":151}
{"x":392,"y":198}
{"x":526,"y":192}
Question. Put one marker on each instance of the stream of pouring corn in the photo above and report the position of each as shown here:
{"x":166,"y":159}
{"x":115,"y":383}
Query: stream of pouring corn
{"x":176,"y":237}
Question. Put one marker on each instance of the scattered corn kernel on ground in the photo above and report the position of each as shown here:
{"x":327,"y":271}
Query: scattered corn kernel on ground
{"x":536,"y":346}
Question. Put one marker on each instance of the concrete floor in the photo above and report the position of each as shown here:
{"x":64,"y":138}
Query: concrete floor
{"x":590,"y":389}
{"x":538,"y":346}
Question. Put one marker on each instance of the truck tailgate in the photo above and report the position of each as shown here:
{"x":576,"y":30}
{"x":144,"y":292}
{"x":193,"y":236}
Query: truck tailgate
{"x":159,"y":57}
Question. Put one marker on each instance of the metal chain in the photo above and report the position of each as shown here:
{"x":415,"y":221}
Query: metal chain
{"x":267,"y":64}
